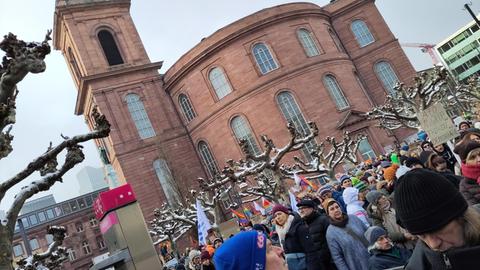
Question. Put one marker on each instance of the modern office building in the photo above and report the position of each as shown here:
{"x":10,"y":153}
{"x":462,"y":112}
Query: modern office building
{"x":460,"y":52}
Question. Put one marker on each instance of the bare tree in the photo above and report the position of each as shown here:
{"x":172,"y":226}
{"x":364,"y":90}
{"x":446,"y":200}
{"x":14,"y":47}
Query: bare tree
{"x":22,"y":58}
{"x":401,"y":107}
{"x":326,"y":157}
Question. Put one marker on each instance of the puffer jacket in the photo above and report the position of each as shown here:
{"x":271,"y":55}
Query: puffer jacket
{"x":394,"y":257}
{"x":317,"y":227}
{"x":469,"y":186}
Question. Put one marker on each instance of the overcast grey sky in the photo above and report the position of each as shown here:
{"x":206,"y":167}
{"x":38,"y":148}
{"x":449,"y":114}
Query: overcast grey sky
{"x":168,"y":29}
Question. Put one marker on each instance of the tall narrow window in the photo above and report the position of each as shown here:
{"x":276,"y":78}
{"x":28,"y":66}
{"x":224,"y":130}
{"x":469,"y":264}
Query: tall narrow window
{"x":219,"y":82}
{"x":335,"y":92}
{"x":139,"y":116}
{"x":337,"y":42}
{"x":308,"y":43}
{"x":86,"y":248}
{"x":34,"y":244}
{"x":72,"y":254}
{"x":110,"y":48}
{"x":74,"y":64}
{"x":366,"y":150}
{"x":386,"y":75}
{"x":264,"y":58}
{"x":100,"y":243}
{"x":362,"y":33}
{"x":186,"y":107}
{"x":207,"y":159}
{"x":292,"y":113}
{"x":167,"y":182}
{"x":242,"y":132}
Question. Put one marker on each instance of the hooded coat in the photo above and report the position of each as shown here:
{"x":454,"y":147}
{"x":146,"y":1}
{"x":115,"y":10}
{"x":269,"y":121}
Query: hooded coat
{"x":354,"y":205}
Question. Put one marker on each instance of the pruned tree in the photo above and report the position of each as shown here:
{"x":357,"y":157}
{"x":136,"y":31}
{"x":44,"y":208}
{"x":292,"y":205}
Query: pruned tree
{"x":20,"y":59}
{"x":401,"y":107}
{"x":326,"y":157}
{"x":52,"y":258}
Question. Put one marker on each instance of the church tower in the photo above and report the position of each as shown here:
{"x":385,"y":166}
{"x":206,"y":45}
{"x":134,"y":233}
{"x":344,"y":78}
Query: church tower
{"x":148,"y":146}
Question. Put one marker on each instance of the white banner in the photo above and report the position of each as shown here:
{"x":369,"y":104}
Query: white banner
{"x":293,"y":201}
{"x":203,"y":224}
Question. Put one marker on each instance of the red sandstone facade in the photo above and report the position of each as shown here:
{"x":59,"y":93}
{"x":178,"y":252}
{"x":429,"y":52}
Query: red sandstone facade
{"x":253,"y":95}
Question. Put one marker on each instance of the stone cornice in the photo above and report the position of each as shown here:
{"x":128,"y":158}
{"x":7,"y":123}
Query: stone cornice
{"x":230,"y":34}
{"x":87,"y":80}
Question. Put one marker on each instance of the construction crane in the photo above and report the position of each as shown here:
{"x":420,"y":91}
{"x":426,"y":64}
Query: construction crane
{"x":425,"y":48}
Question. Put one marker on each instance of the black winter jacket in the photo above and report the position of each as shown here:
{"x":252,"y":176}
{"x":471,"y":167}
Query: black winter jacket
{"x":423,"y":258}
{"x":317,"y":226}
{"x":298,"y":240}
{"x":470,"y":190}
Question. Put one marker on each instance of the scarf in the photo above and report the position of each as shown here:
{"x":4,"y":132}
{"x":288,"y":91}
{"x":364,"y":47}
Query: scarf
{"x":339,"y":223}
{"x":283,"y":230}
{"x":471,"y":171}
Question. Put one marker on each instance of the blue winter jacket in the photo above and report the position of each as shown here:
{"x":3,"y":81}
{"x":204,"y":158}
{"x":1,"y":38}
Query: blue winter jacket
{"x":337,"y":196}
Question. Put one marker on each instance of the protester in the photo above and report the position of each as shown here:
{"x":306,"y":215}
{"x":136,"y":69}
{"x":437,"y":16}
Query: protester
{"x":327,"y":191}
{"x":469,"y":152}
{"x":448,"y":228}
{"x":345,"y":238}
{"x":345,"y":181}
{"x":384,"y":254}
{"x":414,"y":163}
{"x":382,"y":214}
{"x":438,"y":164}
{"x":317,"y":228}
{"x":444,"y":151}
{"x":355,"y":205}
{"x":217,"y":243}
{"x":294,"y":237}
{"x":249,"y":251}
{"x":207,"y":263}
{"x":195,"y":262}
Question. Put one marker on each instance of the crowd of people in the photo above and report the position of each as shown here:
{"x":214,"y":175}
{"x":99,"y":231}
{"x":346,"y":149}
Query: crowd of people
{"x":417,"y":208}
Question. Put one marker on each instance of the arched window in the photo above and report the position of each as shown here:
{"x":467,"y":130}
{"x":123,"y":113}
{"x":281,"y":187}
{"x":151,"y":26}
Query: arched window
{"x":242,"y":131}
{"x":74,"y":64}
{"x":335,"y":92}
{"x":308,"y":43}
{"x":264,"y":58}
{"x":167,"y":182}
{"x":110,"y":48}
{"x":139,"y":116}
{"x":292,"y":113}
{"x":186,"y":107}
{"x":337,"y":42}
{"x":362,"y":33}
{"x":386,"y":75}
{"x":366,"y":150}
{"x":219,"y":82}
{"x":207,"y":159}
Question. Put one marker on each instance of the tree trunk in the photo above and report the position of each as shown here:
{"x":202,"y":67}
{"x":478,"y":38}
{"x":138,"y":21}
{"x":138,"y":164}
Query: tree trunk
{"x":5,"y":248}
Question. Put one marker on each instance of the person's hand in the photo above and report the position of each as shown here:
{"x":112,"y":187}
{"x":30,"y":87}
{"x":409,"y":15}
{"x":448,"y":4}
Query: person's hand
{"x":409,"y":236}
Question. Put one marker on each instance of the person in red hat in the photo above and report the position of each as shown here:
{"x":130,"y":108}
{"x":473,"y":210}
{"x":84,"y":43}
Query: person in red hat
{"x":469,"y":152}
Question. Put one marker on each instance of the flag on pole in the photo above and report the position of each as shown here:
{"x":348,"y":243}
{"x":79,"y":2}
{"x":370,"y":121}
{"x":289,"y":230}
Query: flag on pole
{"x":259,"y":208}
{"x":293,"y":201}
{"x":304,"y":181}
{"x":242,"y":219}
{"x":203,"y":224}
{"x":266,"y":203}
{"x":247,"y":212}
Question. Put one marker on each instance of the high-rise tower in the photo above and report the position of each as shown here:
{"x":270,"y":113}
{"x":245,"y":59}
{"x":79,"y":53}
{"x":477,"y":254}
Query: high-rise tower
{"x":148,"y":145}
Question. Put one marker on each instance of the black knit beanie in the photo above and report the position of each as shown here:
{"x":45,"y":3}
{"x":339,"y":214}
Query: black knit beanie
{"x":426,"y":201}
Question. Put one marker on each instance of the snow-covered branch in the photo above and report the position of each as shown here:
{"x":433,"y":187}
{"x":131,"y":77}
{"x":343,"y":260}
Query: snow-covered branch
{"x":326,"y":157}
{"x":52,"y":258}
